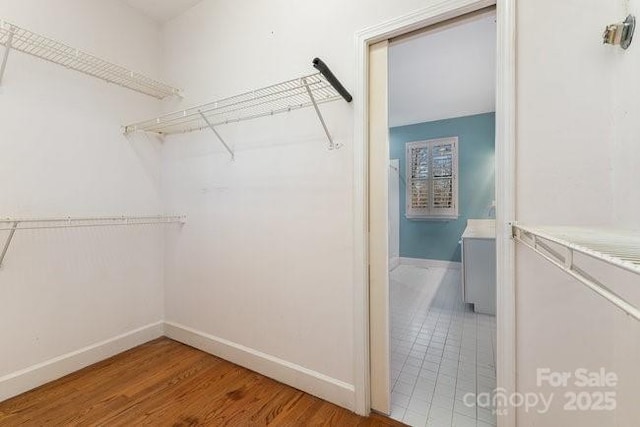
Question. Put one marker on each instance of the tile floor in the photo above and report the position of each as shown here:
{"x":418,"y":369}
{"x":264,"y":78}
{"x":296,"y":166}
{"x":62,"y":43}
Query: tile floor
{"x":440,"y":350}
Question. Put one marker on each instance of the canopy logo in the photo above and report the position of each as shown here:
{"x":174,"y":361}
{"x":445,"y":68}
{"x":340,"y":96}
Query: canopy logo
{"x":596,"y":392}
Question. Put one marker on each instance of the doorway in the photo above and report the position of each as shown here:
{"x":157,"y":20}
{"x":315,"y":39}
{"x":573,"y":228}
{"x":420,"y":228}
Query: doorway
{"x":441,"y":108}
{"x":378,"y":224}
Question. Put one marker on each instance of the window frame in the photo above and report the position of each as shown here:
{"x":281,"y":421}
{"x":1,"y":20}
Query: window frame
{"x":431,"y":213}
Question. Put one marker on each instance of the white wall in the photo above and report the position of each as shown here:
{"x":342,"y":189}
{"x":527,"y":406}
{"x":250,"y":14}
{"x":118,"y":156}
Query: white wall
{"x":456,"y":78}
{"x":626,"y":155}
{"x":162,"y":11}
{"x":266,"y":260}
{"x":63,"y":154}
{"x":575,"y":166}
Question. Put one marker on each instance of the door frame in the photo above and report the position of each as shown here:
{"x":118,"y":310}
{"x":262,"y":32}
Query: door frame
{"x":505,"y":186}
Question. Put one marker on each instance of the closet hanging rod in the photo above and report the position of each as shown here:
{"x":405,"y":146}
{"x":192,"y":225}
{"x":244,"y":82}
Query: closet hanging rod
{"x":13,"y":37}
{"x":619,"y":248}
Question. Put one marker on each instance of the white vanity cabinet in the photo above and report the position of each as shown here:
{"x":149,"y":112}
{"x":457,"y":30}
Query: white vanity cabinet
{"x":479,"y":265}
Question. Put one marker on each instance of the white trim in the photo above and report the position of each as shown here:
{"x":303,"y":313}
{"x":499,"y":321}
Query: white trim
{"x":506,"y":207}
{"x":505,"y":183}
{"x":394,"y":263}
{"x":34,"y":376}
{"x":307,"y":380}
{"x":430,"y":263}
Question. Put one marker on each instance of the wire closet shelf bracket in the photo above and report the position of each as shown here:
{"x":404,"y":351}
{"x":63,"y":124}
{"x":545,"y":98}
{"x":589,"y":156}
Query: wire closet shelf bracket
{"x":11,"y":225}
{"x":307,"y":91}
{"x":558,"y":245}
{"x":26,"y":41}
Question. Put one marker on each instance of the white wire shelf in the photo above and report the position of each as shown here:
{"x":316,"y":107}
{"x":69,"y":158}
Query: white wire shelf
{"x":619,"y":248}
{"x":23,"y":40}
{"x":16,"y":224}
{"x":303,"y":92}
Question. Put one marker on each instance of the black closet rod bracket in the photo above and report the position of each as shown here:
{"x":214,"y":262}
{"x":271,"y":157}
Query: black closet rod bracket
{"x":332,"y":79}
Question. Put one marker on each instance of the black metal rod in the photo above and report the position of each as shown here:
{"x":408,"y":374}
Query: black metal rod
{"x":326,"y":72}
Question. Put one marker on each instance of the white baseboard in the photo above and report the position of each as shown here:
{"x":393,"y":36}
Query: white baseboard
{"x":34,"y":376}
{"x":430,"y":263}
{"x":307,"y":380}
{"x":393,"y":263}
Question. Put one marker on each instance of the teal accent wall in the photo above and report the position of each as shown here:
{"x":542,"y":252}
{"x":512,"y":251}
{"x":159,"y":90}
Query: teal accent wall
{"x":476,"y":183}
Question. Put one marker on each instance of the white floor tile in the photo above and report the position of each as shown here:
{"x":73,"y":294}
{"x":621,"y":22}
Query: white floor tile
{"x":441,"y":350}
{"x":415,"y":419}
{"x":460,"y":407}
{"x":403,"y":388}
{"x":423,"y":394}
{"x":442,"y":401}
{"x":459,"y":420}
{"x":414,"y":370}
{"x":399,"y":399}
{"x":441,"y":415}
{"x":487,"y":416}
{"x":419,"y":406}
{"x":397,"y":412}
{"x":430,"y":366}
{"x":426,"y":383}
{"x":413,"y":361}
{"x":446,"y":379}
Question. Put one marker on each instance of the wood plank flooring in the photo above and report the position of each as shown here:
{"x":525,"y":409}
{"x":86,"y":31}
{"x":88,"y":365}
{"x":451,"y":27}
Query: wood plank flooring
{"x":165,"y":383}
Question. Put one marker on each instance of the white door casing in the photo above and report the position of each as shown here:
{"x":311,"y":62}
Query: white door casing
{"x":379,"y":225}
{"x":505,"y":187}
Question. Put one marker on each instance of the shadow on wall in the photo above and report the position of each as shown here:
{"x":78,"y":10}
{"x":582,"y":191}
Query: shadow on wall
{"x":438,"y":240}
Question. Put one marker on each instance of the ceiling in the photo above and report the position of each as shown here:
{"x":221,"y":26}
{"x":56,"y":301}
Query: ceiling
{"x":444,"y":72}
{"x":162,"y":11}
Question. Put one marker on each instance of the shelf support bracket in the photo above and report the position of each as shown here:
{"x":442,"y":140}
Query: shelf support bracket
{"x":5,"y":56}
{"x":7,"y":243}
{"x":332,"y":145}
{"x":217,"y":134}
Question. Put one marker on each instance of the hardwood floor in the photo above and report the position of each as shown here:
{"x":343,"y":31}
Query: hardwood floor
{"x":165,"y":383}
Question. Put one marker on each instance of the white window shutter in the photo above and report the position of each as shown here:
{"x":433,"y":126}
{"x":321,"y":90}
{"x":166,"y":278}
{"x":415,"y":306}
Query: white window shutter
{"x":432,"y":181}
{"x":443,"y":176}
{"x":418,"y":169}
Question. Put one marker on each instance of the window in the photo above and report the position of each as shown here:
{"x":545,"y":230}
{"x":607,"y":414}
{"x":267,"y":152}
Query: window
{"x":432,"y":179}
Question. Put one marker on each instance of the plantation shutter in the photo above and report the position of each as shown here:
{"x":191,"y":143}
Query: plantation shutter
{"x":442,"y":158}
{"x":432,"y":178}
{"x":418,"y":188}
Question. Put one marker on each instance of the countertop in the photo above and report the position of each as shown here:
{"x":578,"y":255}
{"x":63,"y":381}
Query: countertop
{"x":480,"y":229}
